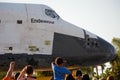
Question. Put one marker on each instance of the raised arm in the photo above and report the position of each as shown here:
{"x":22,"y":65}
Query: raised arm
{"x":22,"y":73}
{"x":10,"y":70}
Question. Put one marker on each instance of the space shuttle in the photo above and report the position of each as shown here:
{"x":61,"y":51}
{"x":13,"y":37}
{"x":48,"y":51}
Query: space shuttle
{"x":35,"y":34}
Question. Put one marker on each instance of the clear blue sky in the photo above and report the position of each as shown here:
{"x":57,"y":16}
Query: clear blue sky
{"x":101,"y":17}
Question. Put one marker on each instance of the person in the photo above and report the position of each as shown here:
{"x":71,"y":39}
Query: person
{"x":51,"y":78}
{"x":16,"y":75}
{"x":59,"y":71}
{"x":78,"y":75}
{"x":70,"y":77}
{"x":10,"y":70}
{"x":85,"y":77}
{"x":29,"y":71}
{"x":110,"y":78}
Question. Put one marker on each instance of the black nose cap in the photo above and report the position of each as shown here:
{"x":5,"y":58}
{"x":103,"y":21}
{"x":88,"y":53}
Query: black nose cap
{"x":108,"y":50}
{"x":113,"y":53}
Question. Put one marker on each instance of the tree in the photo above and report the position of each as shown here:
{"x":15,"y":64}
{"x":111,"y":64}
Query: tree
{"x":102,"y":67}
{"x":116,"y":62}
{"x":97,"y":70}
{"x":88,"y":70}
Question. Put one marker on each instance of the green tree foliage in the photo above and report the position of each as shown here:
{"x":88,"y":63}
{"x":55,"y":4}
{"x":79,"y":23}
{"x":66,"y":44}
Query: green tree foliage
{"x":102,"y":67}
{"x":88,"y":70}
{"x":116,"y":62}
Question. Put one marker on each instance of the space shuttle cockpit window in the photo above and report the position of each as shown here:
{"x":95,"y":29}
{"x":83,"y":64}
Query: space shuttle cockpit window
{"x":51,"y":13}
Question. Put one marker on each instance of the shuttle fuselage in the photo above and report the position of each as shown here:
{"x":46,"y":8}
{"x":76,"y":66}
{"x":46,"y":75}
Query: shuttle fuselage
{"x":35,"y":34}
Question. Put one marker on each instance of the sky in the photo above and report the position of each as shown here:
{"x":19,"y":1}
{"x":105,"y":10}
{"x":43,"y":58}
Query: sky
{"x":101,"y":17}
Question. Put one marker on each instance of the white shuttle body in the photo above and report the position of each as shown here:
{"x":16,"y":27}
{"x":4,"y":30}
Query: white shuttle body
{"x":35,"y":29}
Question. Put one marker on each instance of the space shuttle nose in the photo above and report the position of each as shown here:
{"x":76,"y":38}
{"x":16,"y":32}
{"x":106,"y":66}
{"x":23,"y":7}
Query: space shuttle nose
{"x":113,"y":53}
{"x":108,"y":50}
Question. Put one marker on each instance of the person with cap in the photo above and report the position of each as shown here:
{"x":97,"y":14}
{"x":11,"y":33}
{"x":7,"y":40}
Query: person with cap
{"x":59,"y":71}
